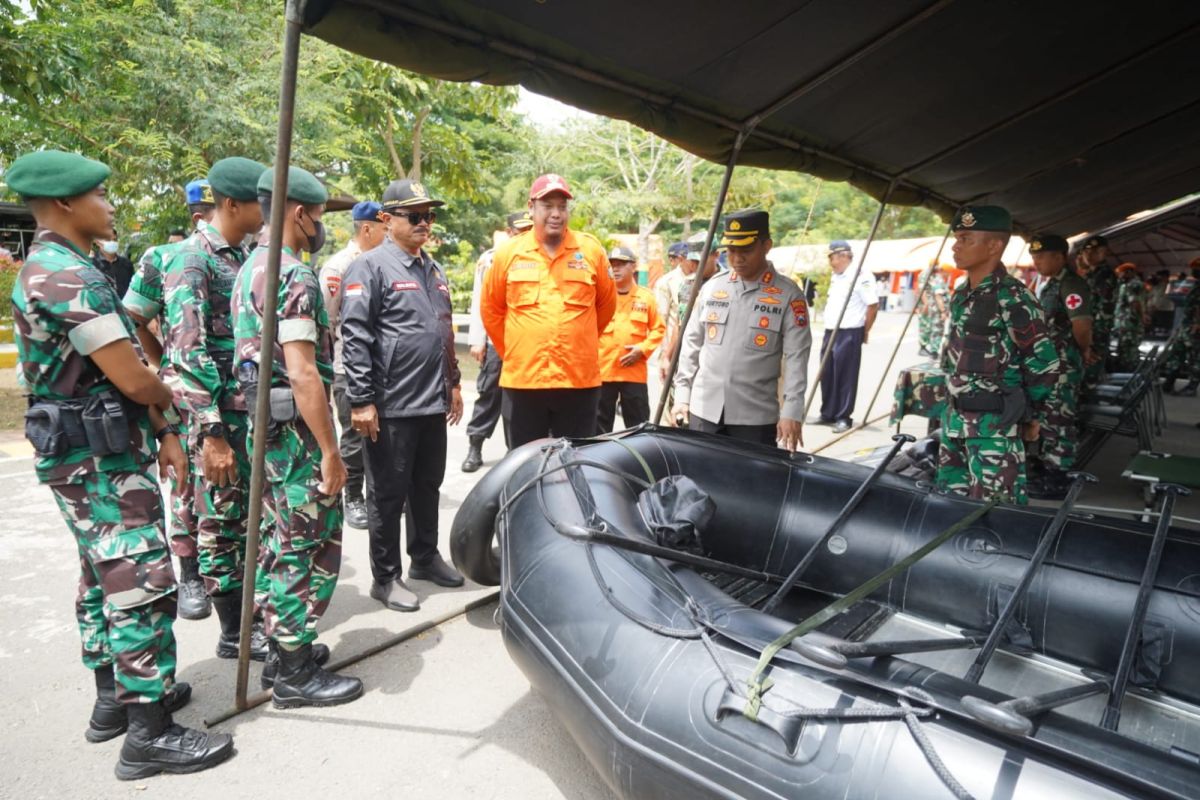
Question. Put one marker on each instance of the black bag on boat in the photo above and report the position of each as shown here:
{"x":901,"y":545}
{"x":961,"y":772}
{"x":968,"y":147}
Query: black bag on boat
{"x":676,"y":510}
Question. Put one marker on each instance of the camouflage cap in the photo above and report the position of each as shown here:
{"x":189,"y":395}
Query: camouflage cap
{"x":993,"y":219}
{"x":302,"y":186}
{"x":236,"y":177}
{"x":1048,"y":243}
{"x":54,"y":173}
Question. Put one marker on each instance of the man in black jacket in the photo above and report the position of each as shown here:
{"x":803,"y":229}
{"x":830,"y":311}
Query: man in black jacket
{"x":402,"y":381}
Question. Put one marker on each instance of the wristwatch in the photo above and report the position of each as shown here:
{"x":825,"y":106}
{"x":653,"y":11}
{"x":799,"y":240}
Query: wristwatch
{"x":165,"y":431}
{"x":215,"y":430}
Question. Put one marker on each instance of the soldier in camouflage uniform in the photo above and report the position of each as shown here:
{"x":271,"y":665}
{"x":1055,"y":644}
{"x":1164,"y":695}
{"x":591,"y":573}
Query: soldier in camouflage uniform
{"x":1184,"y":359}
{"x":304,"y":467}
{"x":144,"y":302}
{"x":1067,"y":306}
{"x":198,"y":344}
{"x":1001,"y":364}
{"x":1129,"y":317}
{"x":1092,"y":265}
{"x":932,"y":321}
{"x":95,"y":412}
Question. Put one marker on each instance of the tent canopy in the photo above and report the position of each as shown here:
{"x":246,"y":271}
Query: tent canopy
{"x":1071,"y":115}
{"x":1168,"y":238}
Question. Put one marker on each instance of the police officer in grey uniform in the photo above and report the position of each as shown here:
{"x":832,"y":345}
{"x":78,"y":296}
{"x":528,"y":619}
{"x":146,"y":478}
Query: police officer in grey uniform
{"x":402,"y":381}
{"x":749,"y":325}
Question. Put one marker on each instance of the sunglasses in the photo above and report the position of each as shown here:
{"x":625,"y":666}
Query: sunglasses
{"x":416,"y":217}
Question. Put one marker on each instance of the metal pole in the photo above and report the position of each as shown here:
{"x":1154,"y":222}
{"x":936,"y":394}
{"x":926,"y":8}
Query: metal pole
{"x":937,"y":260}
{"x":262,"y":407}
{"x":857,"y":271}
{"x":699,"y":279}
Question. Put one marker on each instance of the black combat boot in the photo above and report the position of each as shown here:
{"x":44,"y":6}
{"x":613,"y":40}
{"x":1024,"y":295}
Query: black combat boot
{"x":320,"y":655}
{"x":156,"y":744}
{"x":474,"y":459}
{"x":193,"y":600}
{"x":109,"y":719}
{"x":229,"y":612}
{"x":300,"y":682}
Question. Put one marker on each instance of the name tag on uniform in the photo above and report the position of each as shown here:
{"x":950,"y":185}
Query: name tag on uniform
{"x":405,"y":286}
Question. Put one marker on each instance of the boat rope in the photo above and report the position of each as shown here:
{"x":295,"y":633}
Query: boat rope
{"x":757,"y":684}
{"x":867,"y":712}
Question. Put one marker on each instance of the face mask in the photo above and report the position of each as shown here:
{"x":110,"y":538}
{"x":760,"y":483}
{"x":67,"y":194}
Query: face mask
{"x":109,"y":247}
{"x":317,"y":239}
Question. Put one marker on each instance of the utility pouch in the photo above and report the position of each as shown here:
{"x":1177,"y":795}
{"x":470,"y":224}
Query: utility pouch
{"x":283,"y":405}
{"x":106,"y":425}
{"x":44,"y":430}
{"x":1015,"y":406}
{"x":980,"y":402}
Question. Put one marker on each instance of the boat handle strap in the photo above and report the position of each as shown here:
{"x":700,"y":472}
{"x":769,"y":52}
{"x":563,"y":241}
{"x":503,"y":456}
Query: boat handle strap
{"x":757,"y":684}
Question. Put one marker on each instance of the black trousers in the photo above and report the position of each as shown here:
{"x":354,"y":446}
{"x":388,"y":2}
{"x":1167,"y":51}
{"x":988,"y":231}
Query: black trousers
{"x":351,"y":442}
{"x":487,"y":407}
{"x":839,"y":384}
{"x":538,"y":413}
{"x":635,"y":404}
{"x":763,"y":434}
{"x":406,"y":462}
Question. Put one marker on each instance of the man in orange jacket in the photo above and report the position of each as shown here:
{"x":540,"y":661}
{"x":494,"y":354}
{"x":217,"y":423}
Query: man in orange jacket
{"x":626,"y":345}
{"x":545,"y":300}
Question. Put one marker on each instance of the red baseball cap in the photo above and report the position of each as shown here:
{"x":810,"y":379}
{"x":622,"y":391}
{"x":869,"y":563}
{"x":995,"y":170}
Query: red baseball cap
{"x":548,"y":184}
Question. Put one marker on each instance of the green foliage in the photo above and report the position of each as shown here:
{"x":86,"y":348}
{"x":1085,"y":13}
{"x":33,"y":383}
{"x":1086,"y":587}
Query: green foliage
{"x":8,"y":277}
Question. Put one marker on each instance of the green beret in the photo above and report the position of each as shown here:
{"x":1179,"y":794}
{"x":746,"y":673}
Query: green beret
{"x":302,"y":186}
{"x":236,"y":177}
{"x":1048,"y":243}
{"x":983,"y":218}
{"x":53,"y":173}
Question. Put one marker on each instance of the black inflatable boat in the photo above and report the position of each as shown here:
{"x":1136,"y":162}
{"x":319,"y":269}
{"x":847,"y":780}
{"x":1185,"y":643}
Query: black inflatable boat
{"x":825,"y":630}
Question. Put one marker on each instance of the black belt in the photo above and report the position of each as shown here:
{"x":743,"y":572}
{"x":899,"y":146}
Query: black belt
{"x":980,"y":401}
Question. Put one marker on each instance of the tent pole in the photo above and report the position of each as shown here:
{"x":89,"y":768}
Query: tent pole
{"x":262,"y":406}
{"x":937,"y":260}
{"x":713,"y":222}
{"x":842,"y":314}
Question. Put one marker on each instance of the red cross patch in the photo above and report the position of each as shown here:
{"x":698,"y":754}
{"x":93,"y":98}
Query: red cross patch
{"x":1073,"y":301}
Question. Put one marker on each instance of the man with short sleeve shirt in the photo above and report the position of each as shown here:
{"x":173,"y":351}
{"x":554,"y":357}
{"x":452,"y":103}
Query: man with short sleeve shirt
{"x":368,"y":234}
{"x":749,"y":326}
{"x":839,"y":382}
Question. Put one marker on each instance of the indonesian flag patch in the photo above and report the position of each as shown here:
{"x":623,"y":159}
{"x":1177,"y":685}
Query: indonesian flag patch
{"x":354,"y":289}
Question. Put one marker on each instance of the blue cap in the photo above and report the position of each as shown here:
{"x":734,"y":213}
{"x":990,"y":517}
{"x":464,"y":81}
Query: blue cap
{"x":678,"y":249}
{"x":839,"y":246}
{"x":366,"y":211}
{"x":199,"y":192}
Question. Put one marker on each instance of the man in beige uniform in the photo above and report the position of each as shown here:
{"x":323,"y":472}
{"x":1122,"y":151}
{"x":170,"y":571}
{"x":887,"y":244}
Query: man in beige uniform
{"x":368,"y":234}
{"x":747,"y":325}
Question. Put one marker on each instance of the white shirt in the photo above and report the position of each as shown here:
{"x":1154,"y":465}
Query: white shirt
{"x":862,"y":294}
{"x":476,"y":335}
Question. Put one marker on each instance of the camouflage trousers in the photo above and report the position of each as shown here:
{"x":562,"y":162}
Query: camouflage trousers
{"x":183,"y":502}
{"x":306,"y":545}
{"x":1129,"y":339}
{"x":125,"y":605}
{"x":1184,"y":359}
{"x":930,"y":329}
{"x":221,"y":513}
{"x":1059,"y":433}
{"x":983,"y":468}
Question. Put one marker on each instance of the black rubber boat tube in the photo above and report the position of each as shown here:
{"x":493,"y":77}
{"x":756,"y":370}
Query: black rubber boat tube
{"x":1133,"y":633}
{"x":789,"y":583}
{"x":1049,"y":537}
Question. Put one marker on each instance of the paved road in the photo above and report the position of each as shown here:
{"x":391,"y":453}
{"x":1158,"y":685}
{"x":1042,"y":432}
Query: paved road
{"x":445,"y":715}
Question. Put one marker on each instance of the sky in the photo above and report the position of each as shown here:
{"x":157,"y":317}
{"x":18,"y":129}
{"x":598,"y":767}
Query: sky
{"x":545,"y":112}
